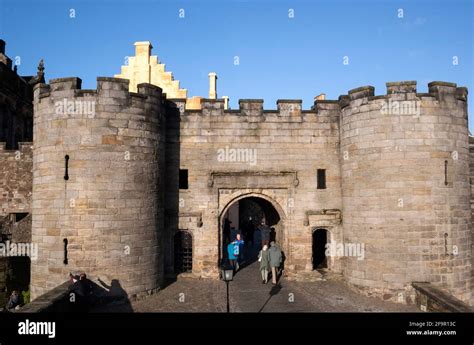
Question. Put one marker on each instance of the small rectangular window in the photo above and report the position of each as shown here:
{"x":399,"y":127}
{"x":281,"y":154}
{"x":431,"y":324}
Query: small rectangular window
{"x":321,"y":179}
{"x":20,"y":216}
{"x":183,"y":178}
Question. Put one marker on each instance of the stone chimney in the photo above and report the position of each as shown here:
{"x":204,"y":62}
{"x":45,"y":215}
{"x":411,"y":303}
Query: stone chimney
{"x":226,"y":102}
{"x":143,"y":50}
{"x":212,"y":85}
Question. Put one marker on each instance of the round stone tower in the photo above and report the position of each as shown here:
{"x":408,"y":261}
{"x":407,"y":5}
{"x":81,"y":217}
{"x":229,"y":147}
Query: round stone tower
{"x":97,"y":184}
{"x":405,"y":185}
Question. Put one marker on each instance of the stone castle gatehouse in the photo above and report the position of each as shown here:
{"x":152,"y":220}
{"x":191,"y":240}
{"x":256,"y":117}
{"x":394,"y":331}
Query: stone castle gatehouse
{"x":140,"y":186}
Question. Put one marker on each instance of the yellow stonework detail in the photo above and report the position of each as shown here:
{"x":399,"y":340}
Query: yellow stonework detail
{"x":144,"y":68}
{"x":193,"y":103}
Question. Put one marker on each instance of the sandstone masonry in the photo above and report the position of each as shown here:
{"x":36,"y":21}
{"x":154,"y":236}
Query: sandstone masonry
{"x":106,"y":183}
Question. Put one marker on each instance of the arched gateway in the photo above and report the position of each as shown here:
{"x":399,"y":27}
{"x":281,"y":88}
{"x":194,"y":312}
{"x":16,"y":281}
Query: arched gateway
{"x":244,"y":214}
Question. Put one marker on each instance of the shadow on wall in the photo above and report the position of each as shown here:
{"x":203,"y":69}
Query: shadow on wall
{"x":100,"y":297}
{"x":112,"y":297}
{"x":176,"y":177}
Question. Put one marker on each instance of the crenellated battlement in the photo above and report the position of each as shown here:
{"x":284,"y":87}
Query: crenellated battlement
{"x":401,"y":87}
{"x":402,"y":98}
{"x":361,"y":92}
{"x":114,"y":88}
{"x":320,"y":106}
{"x":252,"y":107}
{"x":292,"y":108}
{"x":285,"y":108}
{"x":63,"y":98}
{"x":289,"y":107}
{"x":406,"y":90}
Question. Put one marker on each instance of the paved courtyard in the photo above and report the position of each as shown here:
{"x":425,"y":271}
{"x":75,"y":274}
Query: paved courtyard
{"x":248,"y":294}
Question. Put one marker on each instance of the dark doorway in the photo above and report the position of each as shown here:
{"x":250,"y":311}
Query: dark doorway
{"x":183,"y":252}
{"x":320,"y":237}
{"x":14,"y":275}
{"x":245,"y":217}
{"x":252,"y":211}
{"x":183,"y":179}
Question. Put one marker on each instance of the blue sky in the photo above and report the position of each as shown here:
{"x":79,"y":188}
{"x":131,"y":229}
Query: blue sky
{"x":279,"y":57}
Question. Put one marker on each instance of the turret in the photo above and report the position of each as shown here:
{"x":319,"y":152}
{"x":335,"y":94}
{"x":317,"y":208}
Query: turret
{"x":97,"y":184}
{"x":404,"y":160}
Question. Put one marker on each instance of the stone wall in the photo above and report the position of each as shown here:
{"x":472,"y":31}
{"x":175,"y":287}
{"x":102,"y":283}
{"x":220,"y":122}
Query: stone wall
{"x":397,"y":199}
{"x":109,"y":208}
{"x":471,"y":169}
{"x":395,"y":196}
{"x":15,"y":197}
{"x":16,"y":179}
{"x":16,"y":108}
{"x":4,"y":273}
{"x":397,"y":182}
{"x":290,"y":145}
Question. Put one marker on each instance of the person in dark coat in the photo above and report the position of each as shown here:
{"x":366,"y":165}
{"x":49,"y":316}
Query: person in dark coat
{"x":265,"y":233}
{"x":226,"y":231}
{"x":272,"y":235}
{"x":245,"y":231}
{"x":77,"y":296}
{"x":250,"y":233}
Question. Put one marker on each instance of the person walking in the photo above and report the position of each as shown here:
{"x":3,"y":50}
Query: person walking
{"x":250,"y":233}
{"x":275,"y":260}
{"x":240,"y":242}
{"x":265,"y":233}
{"x":77,"y":290}
{"x":264,"y":259}
{"x":226,"y":231}
{"x":233,"y":253}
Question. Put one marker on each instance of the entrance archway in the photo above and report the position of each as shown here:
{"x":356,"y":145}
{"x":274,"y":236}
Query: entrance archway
{"x":245,"y":215}
{"x":319,"y":241}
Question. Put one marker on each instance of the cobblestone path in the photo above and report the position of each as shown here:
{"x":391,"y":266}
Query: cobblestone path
{"x":248,"y":294}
